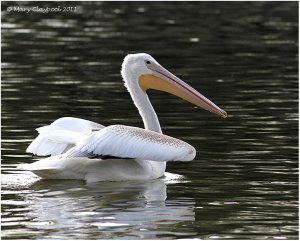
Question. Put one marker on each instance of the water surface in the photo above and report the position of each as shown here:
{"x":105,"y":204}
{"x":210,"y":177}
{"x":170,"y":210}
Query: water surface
{"x":243,"y":183}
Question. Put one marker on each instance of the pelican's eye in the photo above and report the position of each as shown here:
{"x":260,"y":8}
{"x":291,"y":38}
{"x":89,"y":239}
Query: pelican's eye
{"x":148,"y":62}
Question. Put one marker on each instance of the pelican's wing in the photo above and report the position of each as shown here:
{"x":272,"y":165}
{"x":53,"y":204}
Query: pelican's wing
{"x":60,"y":136}
{"x":132,"y":142}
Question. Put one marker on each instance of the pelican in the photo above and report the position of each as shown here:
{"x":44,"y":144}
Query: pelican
{"x":82,"y":149}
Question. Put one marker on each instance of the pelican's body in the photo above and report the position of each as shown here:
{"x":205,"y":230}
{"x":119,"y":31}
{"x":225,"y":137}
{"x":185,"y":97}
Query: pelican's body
{"x":82,"y":149}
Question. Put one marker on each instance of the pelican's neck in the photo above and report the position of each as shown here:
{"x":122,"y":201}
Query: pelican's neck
{"x":143,"y":104}
{"x":147,"y":112}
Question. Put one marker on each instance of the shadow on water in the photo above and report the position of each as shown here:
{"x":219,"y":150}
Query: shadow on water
{"x":243,"y":183}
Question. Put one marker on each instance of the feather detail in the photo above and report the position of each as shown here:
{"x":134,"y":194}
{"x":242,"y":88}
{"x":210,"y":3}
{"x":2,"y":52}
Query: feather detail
{"x":60,"y":136}
{"x":132,"y":142}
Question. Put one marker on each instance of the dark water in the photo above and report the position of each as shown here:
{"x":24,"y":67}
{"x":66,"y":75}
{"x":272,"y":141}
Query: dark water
{"x":243,"y":184}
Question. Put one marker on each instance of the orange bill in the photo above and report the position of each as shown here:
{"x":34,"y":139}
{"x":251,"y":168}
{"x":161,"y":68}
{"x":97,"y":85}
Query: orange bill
{"x":163,"y":80}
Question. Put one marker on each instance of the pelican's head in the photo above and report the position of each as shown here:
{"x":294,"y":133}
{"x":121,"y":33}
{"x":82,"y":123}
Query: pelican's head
{"x":143,"y":72}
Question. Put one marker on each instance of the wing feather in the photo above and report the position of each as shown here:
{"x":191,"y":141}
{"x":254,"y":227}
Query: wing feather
{"x":60,"y":136}
{"x":132,"y":142}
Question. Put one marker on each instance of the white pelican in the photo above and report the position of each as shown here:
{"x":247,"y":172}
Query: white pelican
{"x":82,"y":149}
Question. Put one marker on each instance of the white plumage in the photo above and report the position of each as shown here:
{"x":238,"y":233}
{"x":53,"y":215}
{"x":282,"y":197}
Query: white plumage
{"x":132,"y":142}
{"x":82,"y":149}
{"x":60,"y":136}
